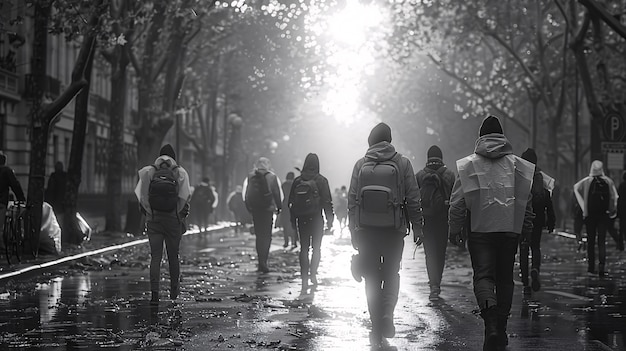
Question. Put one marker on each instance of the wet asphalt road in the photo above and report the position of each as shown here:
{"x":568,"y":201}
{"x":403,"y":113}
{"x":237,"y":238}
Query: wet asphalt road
{"x":101,"y":302}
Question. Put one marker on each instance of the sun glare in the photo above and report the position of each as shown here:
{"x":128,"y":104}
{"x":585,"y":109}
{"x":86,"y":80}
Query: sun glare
{"x":354,"y":33}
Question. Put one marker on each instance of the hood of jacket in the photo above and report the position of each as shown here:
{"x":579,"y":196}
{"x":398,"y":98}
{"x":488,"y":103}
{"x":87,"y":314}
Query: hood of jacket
{"x":311,"y":166}
{"x":380,"y":151}
{"x":262,"y":164}
{"x":493,"y":146}
{"x":165,"y":158}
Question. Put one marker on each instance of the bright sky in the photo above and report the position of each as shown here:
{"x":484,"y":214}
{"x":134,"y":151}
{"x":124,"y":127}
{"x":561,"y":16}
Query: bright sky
{"x":353,"y":33}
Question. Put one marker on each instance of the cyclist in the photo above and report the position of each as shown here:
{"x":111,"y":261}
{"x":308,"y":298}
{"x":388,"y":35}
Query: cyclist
{"x":7,"y":181}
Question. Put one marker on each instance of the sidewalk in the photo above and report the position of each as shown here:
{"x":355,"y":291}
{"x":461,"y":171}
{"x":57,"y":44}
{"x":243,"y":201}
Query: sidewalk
{"x":99,"y":243}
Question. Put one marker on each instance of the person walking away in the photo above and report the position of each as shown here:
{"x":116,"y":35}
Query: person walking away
{"x":289,"y":231}
{"x":544,"y":216}
{"x":621,"y":212}
{"x":494,"y":185}
{"x":201,"y":204}
{"x":597,"y":196}
{"x":8,"y":182}
{"x":435,"y":183}
{"x":309,"y":195}
{"x":55,"y":192}
{"x":262,"y":198}
{"x":238,"y":208}
{"x":383,"y":176}
{"x":341,"y":208}
{"x":163,"y":192}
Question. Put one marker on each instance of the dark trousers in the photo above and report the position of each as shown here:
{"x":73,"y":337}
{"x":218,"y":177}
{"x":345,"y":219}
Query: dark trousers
{"x":435,"y":242}
{"x":168,"y":231}
{"x":311,"y":231}
{"x":381,"y":253}
{"x":289,"y":234}
{"x":493,"y":258}
{"x":534,"y":246}
{"x":263,"y":221}
{"x":597,"y":226}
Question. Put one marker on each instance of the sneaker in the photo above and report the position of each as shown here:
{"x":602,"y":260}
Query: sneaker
{"x":388,"y":330}
{"x":434,"y":293}
{"x":154,"y":301}
{"x":535,"y":284}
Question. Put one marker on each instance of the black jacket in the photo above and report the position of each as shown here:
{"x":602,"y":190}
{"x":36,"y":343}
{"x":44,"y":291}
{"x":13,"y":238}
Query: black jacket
{"x":311,"y":170}
{"x":9,"y":181}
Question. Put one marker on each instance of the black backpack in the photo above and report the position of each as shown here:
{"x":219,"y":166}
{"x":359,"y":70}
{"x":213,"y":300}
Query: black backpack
{"x":306,"y":198}
{"x":203,"y":195}
{"x":435,"y":201}
{"x":380,"y":195}
{"x":258,"y":195}
{"x":163,"y":188}
{"x":598,"y":197}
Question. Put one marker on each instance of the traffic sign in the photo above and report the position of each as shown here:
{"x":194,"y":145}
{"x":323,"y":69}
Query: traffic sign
{"x":613,"y":127}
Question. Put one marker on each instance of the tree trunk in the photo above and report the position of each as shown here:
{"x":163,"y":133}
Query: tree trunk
{"x":71,"y":230}
{"x":116,"y":144}
{"x":42,"y":116}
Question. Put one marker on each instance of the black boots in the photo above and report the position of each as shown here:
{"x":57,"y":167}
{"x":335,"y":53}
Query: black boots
{"x":490,"y":316}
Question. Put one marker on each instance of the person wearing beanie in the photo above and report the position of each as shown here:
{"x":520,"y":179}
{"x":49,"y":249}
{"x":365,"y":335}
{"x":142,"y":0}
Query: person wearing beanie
{"x":310,"y":187}
{"x":168,"y":150}
{"x":289,"y":232}
{"x":597,"y":196}
{"x":165,"y":216}
{"x":435,"y":182}
{"x":544,"y":216}
{"x":381,"y":132}
{"x":201,"y":204}
{"x":263,"y":197}
{"x":379,"y":234}
{"x":492,"y":242}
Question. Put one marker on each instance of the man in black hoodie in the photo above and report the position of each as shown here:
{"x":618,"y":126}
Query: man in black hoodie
{"x":544,"y":216}
{"x":309,"y":195}
{"x":435,"y":182}
{"x":380,"y":246}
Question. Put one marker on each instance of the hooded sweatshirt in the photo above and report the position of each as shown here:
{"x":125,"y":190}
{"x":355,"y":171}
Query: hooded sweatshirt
{"x":145,"y":175}
{"x":311,"y":171}
{"x":581,"y":189}
{"x":494,"y":185}
{"x":263,"y":166}
{"x":379,"y":152}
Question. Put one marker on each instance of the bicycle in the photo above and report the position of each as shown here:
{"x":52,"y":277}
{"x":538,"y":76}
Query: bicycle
{"x":18,"y":230}
{"x":13,"y":233}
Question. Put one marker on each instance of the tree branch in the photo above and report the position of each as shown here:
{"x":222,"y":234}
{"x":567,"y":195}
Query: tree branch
{"x":521,"y":125}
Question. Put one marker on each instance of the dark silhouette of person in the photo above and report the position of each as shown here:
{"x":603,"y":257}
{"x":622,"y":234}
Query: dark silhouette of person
{"x":55,"y":192}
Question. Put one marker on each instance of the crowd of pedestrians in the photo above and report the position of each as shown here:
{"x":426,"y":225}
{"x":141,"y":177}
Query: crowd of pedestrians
{"x":493,"y":203}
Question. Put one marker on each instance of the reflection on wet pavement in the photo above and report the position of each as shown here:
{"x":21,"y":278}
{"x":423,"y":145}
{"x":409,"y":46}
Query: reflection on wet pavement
{"x":102,"y":302}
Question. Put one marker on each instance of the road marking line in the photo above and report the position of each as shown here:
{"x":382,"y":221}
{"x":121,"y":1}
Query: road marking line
{"x":98,"y":251}
{"x":570,"y":295}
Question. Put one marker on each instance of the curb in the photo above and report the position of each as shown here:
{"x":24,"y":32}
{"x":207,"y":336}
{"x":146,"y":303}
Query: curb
{"x":34,"y":267}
